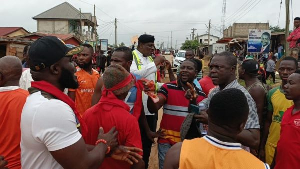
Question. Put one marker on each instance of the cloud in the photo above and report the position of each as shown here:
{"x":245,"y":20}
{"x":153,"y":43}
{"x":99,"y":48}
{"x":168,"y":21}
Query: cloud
{"x":158,"y":17}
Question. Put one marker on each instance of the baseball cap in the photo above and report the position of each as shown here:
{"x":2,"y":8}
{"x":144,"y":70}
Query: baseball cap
{"x":250,"y":66}
{"x":48,"y":50}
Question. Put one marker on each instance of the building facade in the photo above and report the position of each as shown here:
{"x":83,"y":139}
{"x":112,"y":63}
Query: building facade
{"x":66,"y":19}
{"x":241,"y":30}
{"x":203,"y":39}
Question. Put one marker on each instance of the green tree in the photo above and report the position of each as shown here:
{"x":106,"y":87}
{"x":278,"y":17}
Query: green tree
{"x":190,"y":44}
{"x":277,"y":29}
{"x":121,"y":44}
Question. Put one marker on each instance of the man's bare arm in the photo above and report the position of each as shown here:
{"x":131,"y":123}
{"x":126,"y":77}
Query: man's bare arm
{"x":98,"y":91}
{"x":173,"y":157}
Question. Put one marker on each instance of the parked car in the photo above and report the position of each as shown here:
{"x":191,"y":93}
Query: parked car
{"x":179,"y":58}
{"x":167,"y":52}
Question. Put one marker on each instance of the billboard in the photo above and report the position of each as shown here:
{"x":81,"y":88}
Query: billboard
{"x":104,"y":44}
{"x":259,"y":41}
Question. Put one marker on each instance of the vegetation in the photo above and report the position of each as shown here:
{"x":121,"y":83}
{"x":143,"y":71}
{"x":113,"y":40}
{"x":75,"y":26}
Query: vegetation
{"x":190,"y":44}
{"x":121,"y":44}
{"x":277,"y":29}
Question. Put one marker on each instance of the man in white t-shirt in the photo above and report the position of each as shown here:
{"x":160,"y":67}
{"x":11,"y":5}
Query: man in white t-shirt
{"x":50,"y":123}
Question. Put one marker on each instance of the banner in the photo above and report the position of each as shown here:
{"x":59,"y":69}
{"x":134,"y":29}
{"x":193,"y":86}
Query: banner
{"x":104,"y":44}
{"x":259,"y":41}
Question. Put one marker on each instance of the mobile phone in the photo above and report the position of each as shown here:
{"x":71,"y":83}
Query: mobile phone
{"x":194,"y":109}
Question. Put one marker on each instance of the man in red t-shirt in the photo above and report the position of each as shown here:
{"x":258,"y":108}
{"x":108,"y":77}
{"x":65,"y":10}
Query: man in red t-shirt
{"x":12,"y":100}
{"x":112,"y":111}
{"x":295,"y":35}
{"x":288,"y":146}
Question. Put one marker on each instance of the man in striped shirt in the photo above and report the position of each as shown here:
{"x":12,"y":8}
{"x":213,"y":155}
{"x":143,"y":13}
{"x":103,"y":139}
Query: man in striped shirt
{"x":172,"y":97}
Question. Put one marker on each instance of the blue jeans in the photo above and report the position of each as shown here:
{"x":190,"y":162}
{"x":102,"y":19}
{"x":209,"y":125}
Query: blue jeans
{"x":162,"y":151}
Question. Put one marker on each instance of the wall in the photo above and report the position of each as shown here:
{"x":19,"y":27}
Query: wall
{"x":205,"y":39}
{"x":18,"y":33}
{"x":53,"y":26}
{"x":13,"y":49}
{"x":241,"y":30}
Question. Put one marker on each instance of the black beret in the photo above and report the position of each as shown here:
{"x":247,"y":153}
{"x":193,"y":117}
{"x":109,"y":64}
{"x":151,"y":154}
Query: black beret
{"x":146,"y":38}
{"x":297,"y":18}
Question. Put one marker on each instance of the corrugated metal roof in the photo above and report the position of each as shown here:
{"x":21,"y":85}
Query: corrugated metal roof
{"x":63,"y":11}
{"x":7,"y":30}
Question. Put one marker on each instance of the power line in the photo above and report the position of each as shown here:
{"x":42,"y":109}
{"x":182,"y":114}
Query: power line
{"x":106,"y":29}
{"x":250,"y":7}
{"x":149,"y":21}
{"x":129,"y":27}
{"x":239,"y":10}
{"x":96,"y":7}
{"x":105,"y":24}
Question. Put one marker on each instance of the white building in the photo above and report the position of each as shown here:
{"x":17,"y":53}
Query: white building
{"x":203,"y":39}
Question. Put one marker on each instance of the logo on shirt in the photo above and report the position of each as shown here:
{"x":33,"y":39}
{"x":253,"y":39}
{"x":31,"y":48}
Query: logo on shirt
{"x":87,"y":90}
{"x":297,"y":122}
{"x":278,"y":118}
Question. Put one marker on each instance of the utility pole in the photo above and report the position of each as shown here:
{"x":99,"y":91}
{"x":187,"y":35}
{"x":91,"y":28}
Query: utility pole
{"x":168,"y":43}
{"x":193,"y":33}
{"x":208,"y":32}
{"x":171,"y":41}
{"x":116,"y":44}
{"x":176,"y":45}
{"x":223,"y":15}
{"x":95,"y":28}
{"x":80,"y":28}
{"x":287,"y":25}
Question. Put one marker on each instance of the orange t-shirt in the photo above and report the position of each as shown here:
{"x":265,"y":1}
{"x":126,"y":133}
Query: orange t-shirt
{"x":83,"y":94}
{"x":209,"y":152}
{"x":11,"y":105}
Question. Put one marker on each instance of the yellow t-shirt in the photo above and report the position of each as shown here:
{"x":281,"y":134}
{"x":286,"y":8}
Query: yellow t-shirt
{"x":278,"y":104}
{"x":209,"y":152}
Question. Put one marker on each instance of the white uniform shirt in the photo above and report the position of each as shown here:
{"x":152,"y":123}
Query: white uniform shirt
{"x":26,"y":79}
{"x":148,"y":70}
{"x":46,"y":125}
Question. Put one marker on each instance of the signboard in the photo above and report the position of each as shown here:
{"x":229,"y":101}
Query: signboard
{"x":259,"y":41}
{"x":218,"y":47}
{"x":104,"y":44}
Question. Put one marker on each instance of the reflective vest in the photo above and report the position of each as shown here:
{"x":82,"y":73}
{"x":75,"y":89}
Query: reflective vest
{"x":139,"y":67}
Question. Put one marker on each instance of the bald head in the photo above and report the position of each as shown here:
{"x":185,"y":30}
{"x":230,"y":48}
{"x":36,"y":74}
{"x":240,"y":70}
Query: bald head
{"x":10,"y":71}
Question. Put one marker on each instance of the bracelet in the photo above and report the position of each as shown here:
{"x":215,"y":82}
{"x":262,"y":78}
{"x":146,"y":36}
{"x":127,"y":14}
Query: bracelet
{"x":104,"y":142}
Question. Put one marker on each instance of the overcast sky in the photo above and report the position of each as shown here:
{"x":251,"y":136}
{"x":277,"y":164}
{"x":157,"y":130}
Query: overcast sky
{"x":157,"y":17}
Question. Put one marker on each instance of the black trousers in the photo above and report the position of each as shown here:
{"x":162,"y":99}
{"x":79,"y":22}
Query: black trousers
{"x":272,"y":74}
{"x":147,"y":143}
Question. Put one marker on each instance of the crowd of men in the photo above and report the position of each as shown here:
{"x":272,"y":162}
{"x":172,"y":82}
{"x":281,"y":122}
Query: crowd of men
{"x":56,"y":115}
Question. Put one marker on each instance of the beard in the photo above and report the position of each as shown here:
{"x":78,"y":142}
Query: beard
{"x":67,"y":79}
{"x":85,"y":65}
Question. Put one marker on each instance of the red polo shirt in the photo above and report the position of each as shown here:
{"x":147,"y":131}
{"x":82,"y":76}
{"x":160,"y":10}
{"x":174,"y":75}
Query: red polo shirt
{"x":288,"y":154}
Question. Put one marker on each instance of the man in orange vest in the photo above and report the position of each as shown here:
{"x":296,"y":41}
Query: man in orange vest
{"x":219,"y":149}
